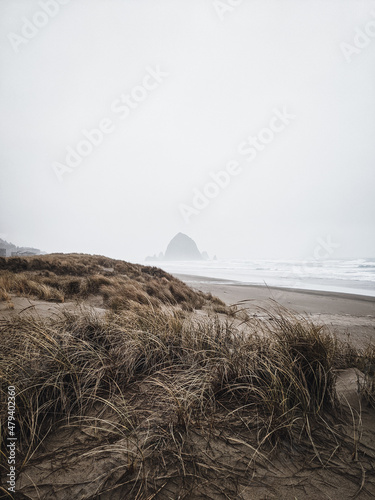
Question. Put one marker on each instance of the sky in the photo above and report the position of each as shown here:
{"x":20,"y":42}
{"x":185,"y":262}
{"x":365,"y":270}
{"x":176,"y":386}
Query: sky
{"x":248,"y":126}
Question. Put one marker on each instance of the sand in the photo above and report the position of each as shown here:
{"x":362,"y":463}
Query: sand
{"x":287,"y":476}
{"x":351,"y":317}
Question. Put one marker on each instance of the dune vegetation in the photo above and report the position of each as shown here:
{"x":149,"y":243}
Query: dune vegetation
{"x":60,"y":277}
{"x":146,"y":399}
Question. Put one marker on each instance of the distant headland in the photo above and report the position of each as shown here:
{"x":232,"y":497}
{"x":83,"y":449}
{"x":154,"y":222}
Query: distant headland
{"x":11,"y":250}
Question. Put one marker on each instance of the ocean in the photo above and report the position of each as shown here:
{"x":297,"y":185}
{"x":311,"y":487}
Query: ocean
{"x":346,"y":276}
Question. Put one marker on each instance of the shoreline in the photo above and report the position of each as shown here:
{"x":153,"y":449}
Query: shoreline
{"x":205,"y":280}
{"x":348,"y":315}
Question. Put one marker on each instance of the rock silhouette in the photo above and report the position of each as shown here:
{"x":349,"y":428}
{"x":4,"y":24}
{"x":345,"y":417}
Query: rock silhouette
{"x":181,"y":247}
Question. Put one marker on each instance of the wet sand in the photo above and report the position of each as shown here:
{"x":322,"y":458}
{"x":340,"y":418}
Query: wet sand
{"x":349,"y":315}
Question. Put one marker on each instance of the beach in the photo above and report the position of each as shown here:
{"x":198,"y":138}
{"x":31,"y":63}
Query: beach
{"x":350,"y":316}
{"x":126,"y":377}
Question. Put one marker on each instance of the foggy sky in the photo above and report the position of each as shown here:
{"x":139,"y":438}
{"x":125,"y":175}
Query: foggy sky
{"x":213,"y":82}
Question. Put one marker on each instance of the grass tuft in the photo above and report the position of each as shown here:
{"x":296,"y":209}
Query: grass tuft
{"x":152,"y":401}
{"x":60,"y":277}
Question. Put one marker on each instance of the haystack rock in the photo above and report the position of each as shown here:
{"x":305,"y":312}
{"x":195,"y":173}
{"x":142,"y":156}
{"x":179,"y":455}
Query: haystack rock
{"x":181,"y":247}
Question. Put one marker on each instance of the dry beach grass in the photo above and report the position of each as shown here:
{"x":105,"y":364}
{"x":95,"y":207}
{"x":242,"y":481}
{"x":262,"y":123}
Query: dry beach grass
{"x":153,"y":400}
{"x":59,"y":277}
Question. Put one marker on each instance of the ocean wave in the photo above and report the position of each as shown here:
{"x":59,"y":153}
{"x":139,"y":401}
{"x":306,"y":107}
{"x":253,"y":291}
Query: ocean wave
{"x":351,"y":274}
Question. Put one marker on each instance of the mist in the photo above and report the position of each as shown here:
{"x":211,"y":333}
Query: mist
{"x":249,"y":126}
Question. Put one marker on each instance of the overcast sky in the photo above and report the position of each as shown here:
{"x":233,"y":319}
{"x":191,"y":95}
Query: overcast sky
{"x":280,"y":94}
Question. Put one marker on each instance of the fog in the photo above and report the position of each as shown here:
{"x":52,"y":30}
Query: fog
{"x":247,"y":125}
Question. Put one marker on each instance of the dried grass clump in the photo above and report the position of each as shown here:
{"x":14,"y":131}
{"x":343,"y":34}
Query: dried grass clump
{"x":24,"y":285}
{"x":4,"y":295}
{"x":60,"y":277}
{"x":152,"y":386}
{"x":366,"y":363}
{"x":60,"y":370}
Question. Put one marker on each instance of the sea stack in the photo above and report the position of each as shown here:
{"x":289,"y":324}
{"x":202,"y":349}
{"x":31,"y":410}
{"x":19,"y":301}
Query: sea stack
{"x":181,"y":247}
